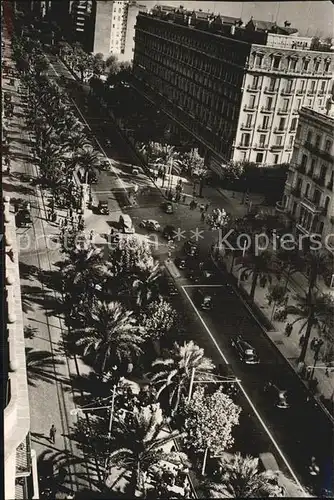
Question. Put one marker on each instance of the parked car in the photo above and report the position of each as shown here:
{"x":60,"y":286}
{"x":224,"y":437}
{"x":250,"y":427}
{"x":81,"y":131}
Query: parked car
{"x":191,"y":248}
{"x":92,"y":178}
{"x":103,"y":207}
{"x":204,"y":300}
{"x":126,"y":224}
{"x":245,"y":351}
{"x":167,"y":207}
{"x":169,"y":232}
{"x":22,"y":218}
{"x":150,"y":224}
{"x":278,"y":397}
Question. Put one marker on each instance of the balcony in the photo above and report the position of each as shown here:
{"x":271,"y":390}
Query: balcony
{"x":270,"y":90}
{"x":287,"y":92}
{"x":320,"y":181}
{"x":278,"y":130}
{"x":252,"y":88}
{"x":277,"y":147}
{"x":260,"y":146}
{"x":283,"y":111}
{"x":260,"y":128}
{"x":246,"y":126}
{"x":300,"y":91}
{"x":301,"y":169}
{"x":295,"y":111}
{"x":267,"y":110}
{"x":311,"y":92}
{"x":280,"y":207}
{"x":313,"y":148}
{"x":311,"y":205}
{"x":243,"y":145}
{"x":296,"y":192}
{"x":248,"y":107}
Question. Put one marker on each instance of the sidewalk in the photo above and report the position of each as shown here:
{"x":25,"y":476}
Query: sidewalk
{"x":51,"y":394}
{"x":290,"y":346}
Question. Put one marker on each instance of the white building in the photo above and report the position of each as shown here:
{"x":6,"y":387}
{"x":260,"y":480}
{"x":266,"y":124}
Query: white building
{"x":308,"y":196}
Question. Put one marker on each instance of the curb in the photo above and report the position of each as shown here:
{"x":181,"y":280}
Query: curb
{"x":291,"y":367}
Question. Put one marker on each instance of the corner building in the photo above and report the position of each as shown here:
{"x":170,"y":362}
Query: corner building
{"x":237,"y":90}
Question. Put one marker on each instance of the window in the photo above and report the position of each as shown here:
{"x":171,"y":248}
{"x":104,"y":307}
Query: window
{"x":323,"y":85}
{"x":255,"y":83}
{"x":276,"y":62}
{"x":293,"y":124}
{"x":289,"y":85}
{"x":293,"y":65}
{"x":262,"y":140}
{"x":306,"y":64}
{"x":245,"y":139}
{"x":279,"y":140}
{"x":269,"y":103}
{"x":303,"y":163}
{"x":312,"y":167}
{"x":327,"y":202}
{"x":275,"y":159}
{"x":317,"y":197}
{"x":307,"y":190}
{"x":327,"y":64}
{"x":316,"y":65}
{"x":259,"y":158}
{"x":317,"y":140}
{"x":259,"y":60}
{"x":302,"y":85}
{"x":252,"y":101}
{"x":328,"y":146}
{"x":113,"y":26}
{"x":265,"y":122}
{"x":249,"y":121}
{"x":285,"y":104}
{"x":281,"y":125}
{"x":312,"y":86}
{"x":299,"y":103}
{"x":309,"y":136}
{"x":272,"y":84}
{"x":323,"y":172}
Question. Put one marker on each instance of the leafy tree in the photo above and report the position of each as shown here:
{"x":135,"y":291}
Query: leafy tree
{"x":276,"y":294}
{"x":142,"y":436}
{"x":98,"y":64}
{"x":85,"y":263}
{"x":158,"y":319}
{"x":41,"y":64}
{"x":112,"y":335}
{"x":209,"y":420}
{"x":313,"y":310}
{"x":174,"y":373}
{"x":89,"y":160}
{"x":130,"y":256}
{"x":240,"y":477}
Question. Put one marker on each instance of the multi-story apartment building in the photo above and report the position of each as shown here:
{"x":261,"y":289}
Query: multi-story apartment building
{"x":308,"y":195}
{"x":82,"y":15}
{"x":20,"y":467}
{"x":114,"y":28}
{"x":236,"y":89}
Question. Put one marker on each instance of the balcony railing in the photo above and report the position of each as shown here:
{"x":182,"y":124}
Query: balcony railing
{"x":261,"y":128}
{"x":246,"y":126}
{"x":253,"y":88}
{"x":260,"y":146}
{"x":280,"y":130}
{"x":300,"y":91}
{"x":311,"y":92}
{"x":243,"y":145}
{"x":270,"y":90}
{"x":247,"y":107}
{"x":295,"y":111}
{"x":319,"y":180}
{"x":267,"y":110}
{"x":283,"y":111}
{"x":287,"y":92}
{"x":326,"y":155}
{"x":277,"y":146}
{"x":312,"y":204}
{"x":296,"y":192}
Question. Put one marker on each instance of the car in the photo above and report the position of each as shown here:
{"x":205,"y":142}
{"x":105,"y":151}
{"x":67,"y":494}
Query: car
{"x":245,"y":351}
{"x":204,"y":300}
{"x":150,"y":224}
{"x":22,"y":218}
{"x":168,"y":207}
{"x":103,"y":207}
{"x":278,"y":396}
{"x":105,"y":165}
{"x":171,"y":289}
{"x":181,"y":262}
{"x":135,"y":170}
{"x":169,"y":232}
{"x":92,"y":178}
{"x":191,"y":248}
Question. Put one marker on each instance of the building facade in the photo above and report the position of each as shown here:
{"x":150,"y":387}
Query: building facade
{"x":237,"y":89}
{"x":114,"y":28}
{"x":20,"y":466}
{"x":309,"y":195}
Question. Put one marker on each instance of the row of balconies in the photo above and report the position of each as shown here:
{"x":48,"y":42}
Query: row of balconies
{"x":320,"y":180}
{"x":286,"y":92}
{"x":311,"y":201}
{"x":280,"y":111}
{"x":315,"y":149}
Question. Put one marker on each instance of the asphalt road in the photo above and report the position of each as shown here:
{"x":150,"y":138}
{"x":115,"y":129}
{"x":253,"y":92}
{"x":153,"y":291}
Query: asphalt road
{"x":300,"y":432}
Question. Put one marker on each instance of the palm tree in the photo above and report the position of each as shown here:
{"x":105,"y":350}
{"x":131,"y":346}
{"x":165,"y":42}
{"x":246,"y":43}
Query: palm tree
{"x":113,"y":336}
{"x":145,"y":285}
{"x":40,"y":366}
{"x":89,"y":160}
{"x":314,"y":310}
{"x":290,"y":262}
{"x":260,"y":265}
{"x":240,"y":478}
{"x":76,"y":142}
{"x":144,"y":435}
{"x":318,"y":263}
{"x":175,"y":372}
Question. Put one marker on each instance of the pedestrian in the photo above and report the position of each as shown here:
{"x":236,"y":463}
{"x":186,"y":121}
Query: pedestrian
{"x":313,"y":344}
{"x":288,"y":329}
{"x":301,"y":340}
{"x":50,"y":214}
{"x":313,"y":468}
{"x":8,"y":169}
{"x":91,"y":235}
{"x":308,"y":373}
{"x":207,"y":206}
{"x":203,"y":216}
{"x":53,"y":431}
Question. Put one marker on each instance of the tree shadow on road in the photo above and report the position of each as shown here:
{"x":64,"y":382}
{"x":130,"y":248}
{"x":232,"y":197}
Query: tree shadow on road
{"x":17,"y":188}
{"x":28,"y":271}
{"x":41,"y":366}
{"x":89,"y":386}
